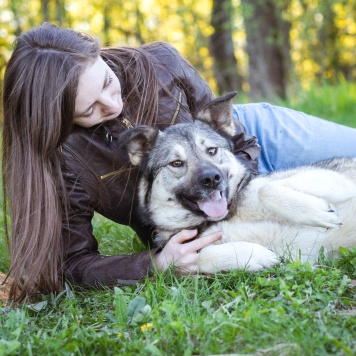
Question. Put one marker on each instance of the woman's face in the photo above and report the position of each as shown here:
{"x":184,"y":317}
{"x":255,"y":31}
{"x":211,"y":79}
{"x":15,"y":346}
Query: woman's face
{"x":99,"y":95}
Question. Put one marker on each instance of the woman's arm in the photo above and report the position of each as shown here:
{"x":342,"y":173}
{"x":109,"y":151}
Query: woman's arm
{"x":85,"y":266}
{"x":83,"y":263}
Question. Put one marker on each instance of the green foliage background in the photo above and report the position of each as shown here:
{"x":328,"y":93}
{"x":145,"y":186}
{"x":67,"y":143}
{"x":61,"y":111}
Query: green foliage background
{"x":292,"y":309}
{"x":322,"y":34}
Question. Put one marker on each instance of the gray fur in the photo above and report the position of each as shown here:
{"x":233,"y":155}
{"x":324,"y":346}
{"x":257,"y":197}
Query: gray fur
{"x":294,"y":212}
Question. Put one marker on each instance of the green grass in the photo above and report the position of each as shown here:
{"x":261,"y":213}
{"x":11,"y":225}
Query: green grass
{"x":4,"y":262}
{"x":295,"y":309}
{"x":334,"y":103}
{"x":291,"y":309}
{"x":114,"y":238}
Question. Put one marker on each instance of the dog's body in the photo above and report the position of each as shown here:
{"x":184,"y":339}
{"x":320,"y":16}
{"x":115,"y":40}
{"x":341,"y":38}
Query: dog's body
{"x":192,"y":179}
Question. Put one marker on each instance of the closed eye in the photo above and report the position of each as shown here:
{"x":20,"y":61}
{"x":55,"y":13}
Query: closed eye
{"x":92,"y":109}
{"x":212,"y":151}
{"x":108,"y":82}
{"x":90,"y":113}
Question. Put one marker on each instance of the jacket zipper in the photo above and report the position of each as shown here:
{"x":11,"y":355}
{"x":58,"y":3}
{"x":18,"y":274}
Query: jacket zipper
{"x":127,"y":123}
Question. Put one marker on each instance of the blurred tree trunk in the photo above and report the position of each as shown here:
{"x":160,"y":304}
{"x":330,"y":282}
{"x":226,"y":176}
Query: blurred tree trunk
{"x":17,"y":17}
{"x":45,"y":10}
{"x":328,"y":55}
{"x":49,"y":16}
{"x":107,"y":24}
{"x":226,"y":71}
{"x":268,"y":47}
{"x":60,"y":12}
{"x":140,"y":24}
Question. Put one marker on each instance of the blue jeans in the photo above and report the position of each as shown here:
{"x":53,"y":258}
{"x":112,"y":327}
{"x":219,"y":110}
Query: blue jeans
{"x":289,"y":138}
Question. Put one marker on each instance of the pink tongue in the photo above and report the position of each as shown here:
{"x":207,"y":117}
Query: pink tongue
{"x":214,"y":205}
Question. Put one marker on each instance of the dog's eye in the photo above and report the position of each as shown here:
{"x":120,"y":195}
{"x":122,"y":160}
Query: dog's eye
{"x":212,"y":151}
{"x":177,"y":163}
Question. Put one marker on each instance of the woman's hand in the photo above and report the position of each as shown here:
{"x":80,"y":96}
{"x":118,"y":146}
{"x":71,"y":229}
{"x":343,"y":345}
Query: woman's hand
{"x":182,"y":255}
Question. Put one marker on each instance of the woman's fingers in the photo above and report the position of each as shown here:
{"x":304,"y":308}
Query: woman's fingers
{"x":206,"y":240}
{"x":182,"y":252}
{"x":197,"y":244}
{"x":183,"y":236}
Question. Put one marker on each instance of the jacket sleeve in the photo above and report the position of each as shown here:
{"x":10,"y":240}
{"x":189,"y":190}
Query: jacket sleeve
{"x":246,"y":148}
{"x":197,"y":91}
{"x":198,"y":94}
{"x":83,"y":264}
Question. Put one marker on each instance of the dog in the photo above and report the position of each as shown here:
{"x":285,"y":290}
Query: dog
{"x":190,"y":178}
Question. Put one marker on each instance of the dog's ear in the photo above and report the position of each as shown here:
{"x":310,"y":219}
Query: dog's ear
{"x":218,"y":114}
{"x":138,"y":141}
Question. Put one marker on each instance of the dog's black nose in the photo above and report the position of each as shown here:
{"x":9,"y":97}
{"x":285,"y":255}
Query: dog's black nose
{"x":210,"y":178}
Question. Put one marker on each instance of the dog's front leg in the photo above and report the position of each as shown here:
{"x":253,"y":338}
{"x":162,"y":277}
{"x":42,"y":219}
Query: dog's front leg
{"x":308,"y":197}
{"x":297,"y":207}
{"x":325,"y":184}
{"x":235,"y":255}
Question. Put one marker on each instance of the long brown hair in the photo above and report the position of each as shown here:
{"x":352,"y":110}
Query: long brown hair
{"x":40,"y":87}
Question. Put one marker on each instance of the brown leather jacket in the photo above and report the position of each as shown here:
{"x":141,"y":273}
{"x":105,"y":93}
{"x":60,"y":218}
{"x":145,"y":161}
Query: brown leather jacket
{"x":98,"y":178}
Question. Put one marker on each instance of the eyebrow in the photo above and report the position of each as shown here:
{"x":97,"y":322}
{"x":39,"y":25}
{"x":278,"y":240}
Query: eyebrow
{"x":104,"y":84}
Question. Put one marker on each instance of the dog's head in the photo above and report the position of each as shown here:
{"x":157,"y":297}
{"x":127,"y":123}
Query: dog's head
{"x":189,"y":173}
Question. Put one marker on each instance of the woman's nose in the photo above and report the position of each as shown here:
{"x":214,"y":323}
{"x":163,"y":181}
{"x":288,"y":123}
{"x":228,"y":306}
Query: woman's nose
{"x":110,"y":104}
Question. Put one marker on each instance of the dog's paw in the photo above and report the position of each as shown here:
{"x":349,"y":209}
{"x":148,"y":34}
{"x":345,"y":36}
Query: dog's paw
{"x":321,"y":214}
{"x":235,"y":255}
{"x":311,"y":211}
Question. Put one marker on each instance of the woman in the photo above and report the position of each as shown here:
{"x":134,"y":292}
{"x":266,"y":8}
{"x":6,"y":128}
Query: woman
{"x":65,"y":103}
